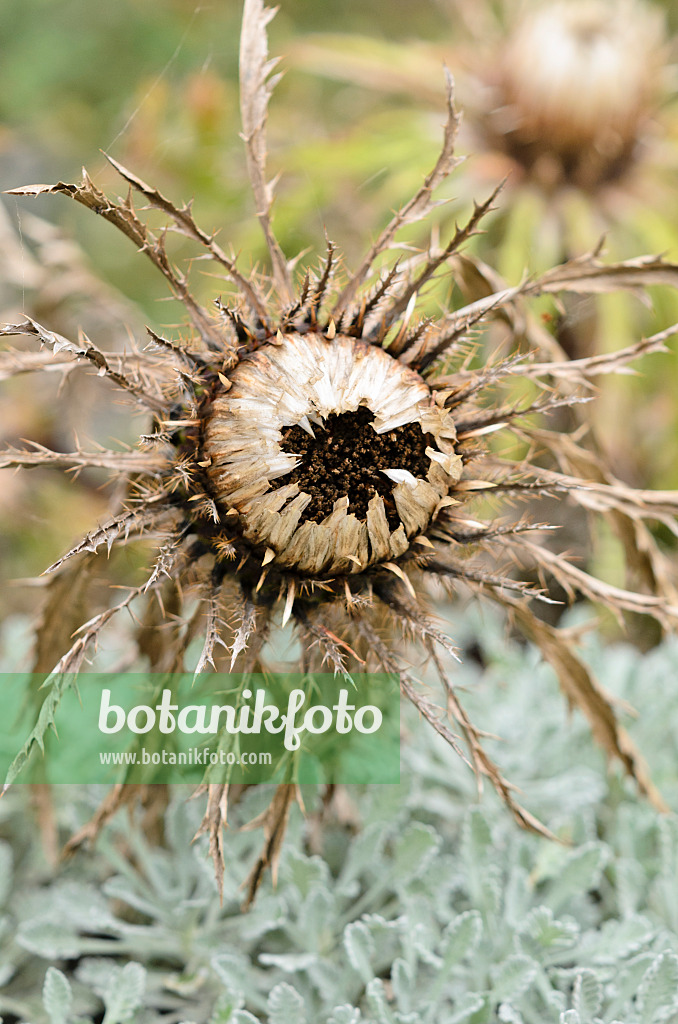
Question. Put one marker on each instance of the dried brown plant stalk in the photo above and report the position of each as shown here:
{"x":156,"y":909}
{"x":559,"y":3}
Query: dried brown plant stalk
{"x":318,"y":454}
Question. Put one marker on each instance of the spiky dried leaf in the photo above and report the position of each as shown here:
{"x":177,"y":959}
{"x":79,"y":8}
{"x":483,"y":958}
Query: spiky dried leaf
{"x":256,"y":86}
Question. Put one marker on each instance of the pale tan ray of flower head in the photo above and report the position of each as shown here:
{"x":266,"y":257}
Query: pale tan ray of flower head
{"x":316,"y":452}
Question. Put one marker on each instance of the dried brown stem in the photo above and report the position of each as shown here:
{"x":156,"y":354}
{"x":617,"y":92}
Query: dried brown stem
{"x":416,"y":209}
{"x":183,"y":219}
{"x":256,"y":87}
{"x":124,"y":218}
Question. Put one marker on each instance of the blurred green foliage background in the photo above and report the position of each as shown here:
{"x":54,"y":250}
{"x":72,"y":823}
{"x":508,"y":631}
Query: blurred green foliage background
{"x":155,"y":84}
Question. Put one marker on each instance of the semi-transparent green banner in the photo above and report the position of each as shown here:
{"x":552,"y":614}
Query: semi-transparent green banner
{"x":143,"y":728}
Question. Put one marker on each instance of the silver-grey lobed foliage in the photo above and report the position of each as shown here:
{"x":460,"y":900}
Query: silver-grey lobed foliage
{"x":433,"y":913}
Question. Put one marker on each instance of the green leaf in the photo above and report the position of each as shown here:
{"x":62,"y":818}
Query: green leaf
{"x":5,"y":872}
{"x":508,"y":1015}
{"x":518,"y":895}
{"x":83,"y":906}
{"x":413,"y":851}
{"x":119,"y":888}
{"x":541,"y":934}
{"x":364,"y":853}
{"x":285,"y":1006}
{"x":48,"y":940}
{"x":96,"y":972}
{"x":628,"y":980}
{"x":631,"y":879}
{"x":224,"y":1008}
{"x":404,"y":985}
{"x":659,"y":988}
{"x":359,"y":946}
{"x":315,"y":915}
{"x":124,"y":993}
{"x":57,"y":997}
{"x":580,"y":872}
{"x":384,"y":935}
{"x":230,"y":969}
{"x":587,"y":996}
{"x":467,"y":1007}
{"x":344,"y":1015}
{"x":619,"y":939}
{"x":477,"y":837}
{"x":668,"y":845}
{"x":304,"y":872}
{"x":7,"y":971}
{"x":461,"y":938}
{"x":378,"y":1003}
{"x":489,"y":888}
{"x":290,"y":963}
{"x":513,"y":977}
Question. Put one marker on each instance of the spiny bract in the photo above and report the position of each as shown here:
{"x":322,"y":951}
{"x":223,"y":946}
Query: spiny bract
{"x":316,"y":446}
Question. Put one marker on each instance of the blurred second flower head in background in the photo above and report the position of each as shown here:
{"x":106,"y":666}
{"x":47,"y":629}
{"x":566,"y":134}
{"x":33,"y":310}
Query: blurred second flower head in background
{"x":575,"y":105}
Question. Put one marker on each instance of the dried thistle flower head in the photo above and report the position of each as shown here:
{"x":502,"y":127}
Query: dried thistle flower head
{"x":368,"y":458}
{"x":564,"y":98}
{"x":577,"y":83}
{"x":319,"y":452}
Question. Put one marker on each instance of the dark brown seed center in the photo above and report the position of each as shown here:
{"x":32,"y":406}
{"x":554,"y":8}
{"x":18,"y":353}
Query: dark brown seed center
{"x":345,"y":458}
